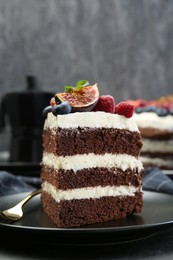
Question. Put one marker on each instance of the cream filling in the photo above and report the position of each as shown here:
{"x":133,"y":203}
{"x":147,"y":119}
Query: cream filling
{"x":91,"y":160}
{"x":152,"y":120}
{"x":163,"y":146}
{"x":89,"y":192}
{"x":157,"y":161}
{"x":92,"y":120}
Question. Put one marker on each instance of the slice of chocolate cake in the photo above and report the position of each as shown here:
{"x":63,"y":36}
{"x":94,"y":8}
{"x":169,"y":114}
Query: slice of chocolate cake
{"x":155,"y":121}
{"x":90,"y":168}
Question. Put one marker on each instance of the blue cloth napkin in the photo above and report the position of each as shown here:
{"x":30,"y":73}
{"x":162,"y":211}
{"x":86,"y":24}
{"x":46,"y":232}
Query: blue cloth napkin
{"x":154,"y":180}
{"x":12,"y":184}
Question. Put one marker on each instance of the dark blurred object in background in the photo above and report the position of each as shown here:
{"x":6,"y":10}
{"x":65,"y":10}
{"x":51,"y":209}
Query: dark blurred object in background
{"x":23,"y":112}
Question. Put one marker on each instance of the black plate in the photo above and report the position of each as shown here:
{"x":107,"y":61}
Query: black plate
{"x":156,"y":216}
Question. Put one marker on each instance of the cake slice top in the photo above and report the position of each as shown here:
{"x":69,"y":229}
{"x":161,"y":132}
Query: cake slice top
{"x":91,"y":119}
{"x":154,"y":114}
{"x":162,"y":106}
{"x":82,"y":106}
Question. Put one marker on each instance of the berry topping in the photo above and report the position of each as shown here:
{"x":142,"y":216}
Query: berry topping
{"x":57,"y":109}
{"x":47,"y":110}
{"x":162,"y":106}
{"x":53,"y":103}
{"x":105,"y":103}
{"x":161,"y":111}
{"x":83,"y":97}
{"x":125,"y":109}
{"x":61,"y":109}
{"x":139,"y":110}
{"x":151,"y":108}
{"x":137,"y":103}
{"x":171,"y":111}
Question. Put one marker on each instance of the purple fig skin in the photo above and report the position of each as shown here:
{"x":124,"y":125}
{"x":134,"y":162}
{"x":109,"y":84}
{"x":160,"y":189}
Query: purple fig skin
{"x":84,"y":109}
{"x":84,"y":106}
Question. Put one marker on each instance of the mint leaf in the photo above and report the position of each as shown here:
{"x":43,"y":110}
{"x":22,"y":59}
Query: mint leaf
{"x":82,"y":83}
{"x":68,"y":88}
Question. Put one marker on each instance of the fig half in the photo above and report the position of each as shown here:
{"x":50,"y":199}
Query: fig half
{"x":81,"y":99}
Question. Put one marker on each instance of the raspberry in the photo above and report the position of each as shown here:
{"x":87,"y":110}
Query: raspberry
{"x":105,"y":103}
{"x":53,"y":103}
{"x":125,"y":109}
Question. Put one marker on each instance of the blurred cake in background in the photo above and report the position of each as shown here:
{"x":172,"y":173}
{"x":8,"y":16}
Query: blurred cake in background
{"x":155,"y":121}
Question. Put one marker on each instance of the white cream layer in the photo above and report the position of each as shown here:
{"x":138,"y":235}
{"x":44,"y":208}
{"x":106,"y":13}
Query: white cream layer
{"x":152,"y":145}
{"x":157,"y":161}
{"x":90,"y":119}
{"x":91,"y":160}
{"x":151,"y":119}
{"x":89,"y":192}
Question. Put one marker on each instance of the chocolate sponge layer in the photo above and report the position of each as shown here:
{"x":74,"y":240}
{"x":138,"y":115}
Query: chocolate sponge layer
{"x":71,"y":213}
{"x":65,"y":142}
{"x":90,"y":177}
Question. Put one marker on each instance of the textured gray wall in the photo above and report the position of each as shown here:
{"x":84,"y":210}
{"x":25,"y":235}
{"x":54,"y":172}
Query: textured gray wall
{"x":126,"y":46}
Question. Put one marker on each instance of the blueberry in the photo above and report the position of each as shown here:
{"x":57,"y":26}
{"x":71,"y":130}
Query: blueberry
{"x":150,"y":108}
{"x":171,"y":111}
{"x":161,"y":111}
{"x":61,"y":109}
{"x":139,"y":110}
{"x":46,"y":110}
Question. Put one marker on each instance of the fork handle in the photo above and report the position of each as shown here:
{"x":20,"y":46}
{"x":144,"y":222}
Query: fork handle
{"x":29,"y":196}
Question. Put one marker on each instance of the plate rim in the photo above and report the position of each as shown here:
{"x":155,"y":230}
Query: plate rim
{"x":125,"y":234}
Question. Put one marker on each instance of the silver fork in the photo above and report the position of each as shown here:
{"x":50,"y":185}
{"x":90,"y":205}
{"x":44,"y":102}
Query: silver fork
{"x":16,"y":213}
